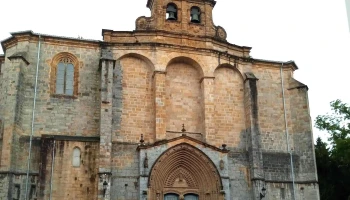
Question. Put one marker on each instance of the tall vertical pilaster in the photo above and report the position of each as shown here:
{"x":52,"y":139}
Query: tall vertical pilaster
{"x":10,"y":101}
{"x":209,"y":108}
{"x":11,"y":74}
{"x":254,"y":134}
{"x":160,"y":108}
{"x":107,"y":64}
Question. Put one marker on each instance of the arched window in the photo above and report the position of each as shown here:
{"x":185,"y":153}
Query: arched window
{"x":76,"y":157}
{"x":171,"y":197}
{"x":64,"y":75}
{"x":195,"y":15}
{"x":171,"y":12}
{"x":191,"y":197}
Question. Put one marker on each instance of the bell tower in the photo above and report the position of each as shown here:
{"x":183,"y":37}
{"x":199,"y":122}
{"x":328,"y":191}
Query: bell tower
{"x":185,"y":17}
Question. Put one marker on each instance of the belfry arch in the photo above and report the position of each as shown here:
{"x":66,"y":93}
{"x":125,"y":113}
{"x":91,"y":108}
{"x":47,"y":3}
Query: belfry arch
{"x":184,"y":170}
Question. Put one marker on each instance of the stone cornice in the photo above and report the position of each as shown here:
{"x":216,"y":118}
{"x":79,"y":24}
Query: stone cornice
{"x":63,"y":138}
{"x":289,"y":63}
{"x":288,"y":182}
{"x":18,"y":173}
{"x":34,"y":37}
{"x":109,"y":35}
{"x":151,"y":2}
{"x":206,"y":77}
{"x":224,"y":56}
{"x":19,"y":55}
{"x":106,"y":59}
{"x":295,"y":84}
{"x":250,"y":76}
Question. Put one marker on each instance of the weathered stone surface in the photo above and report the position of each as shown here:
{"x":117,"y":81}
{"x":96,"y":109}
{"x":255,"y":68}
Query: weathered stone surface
{"x":150,"y":82}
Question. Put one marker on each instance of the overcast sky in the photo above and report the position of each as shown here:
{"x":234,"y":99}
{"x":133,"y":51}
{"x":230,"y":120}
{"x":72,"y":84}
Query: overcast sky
{"x":313,"y":33}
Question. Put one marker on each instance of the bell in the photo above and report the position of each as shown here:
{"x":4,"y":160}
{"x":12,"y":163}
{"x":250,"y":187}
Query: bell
{"x":171,"y":16}
{"x":195,"y":18}
{"x":171,"y":10}
{"x":195,"y":15}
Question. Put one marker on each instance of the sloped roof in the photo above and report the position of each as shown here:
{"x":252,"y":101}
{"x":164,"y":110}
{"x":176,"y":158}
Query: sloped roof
{"x":29,"y":32}
{"x":291,"y":62}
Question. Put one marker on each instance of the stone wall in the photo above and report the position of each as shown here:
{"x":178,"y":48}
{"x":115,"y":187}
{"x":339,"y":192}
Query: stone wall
{"x":78,"y":116}
{"x":5,"y":181}
{"x":125,"y":172}
{"x":137,"y":100}
{"x":271,"y":113}
{"x":302,"y":133}
{"x":155,"y":90}
{"x":229,"y":108}
{"x":184,"y":99}
{"x":68,"y":181}
{"x":284,"y":191}
{"x":239,"y":174}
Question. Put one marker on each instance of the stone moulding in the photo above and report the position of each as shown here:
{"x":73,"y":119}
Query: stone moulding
{"x":184,"y":136}
{"x":69,"y":58}
{"x":150,"y":3}
{"x":19,"y":55}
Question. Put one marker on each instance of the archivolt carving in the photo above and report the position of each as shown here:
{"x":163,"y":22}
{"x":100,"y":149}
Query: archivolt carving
{"x":185,"y":169}
{"x":181,"y":178}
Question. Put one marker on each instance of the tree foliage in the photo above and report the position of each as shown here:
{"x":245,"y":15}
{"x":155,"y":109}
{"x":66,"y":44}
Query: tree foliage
{"x":333,"y":164}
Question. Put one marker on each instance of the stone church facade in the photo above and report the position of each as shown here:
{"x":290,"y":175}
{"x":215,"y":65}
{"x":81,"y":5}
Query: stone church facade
{"x":169,"y":111}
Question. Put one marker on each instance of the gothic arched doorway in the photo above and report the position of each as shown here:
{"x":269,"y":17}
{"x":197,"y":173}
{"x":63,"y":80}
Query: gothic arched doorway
{"x":184,"y":173}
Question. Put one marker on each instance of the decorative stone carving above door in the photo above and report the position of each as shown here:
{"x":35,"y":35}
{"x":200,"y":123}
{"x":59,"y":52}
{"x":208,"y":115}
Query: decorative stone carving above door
{"x":183,"y":168}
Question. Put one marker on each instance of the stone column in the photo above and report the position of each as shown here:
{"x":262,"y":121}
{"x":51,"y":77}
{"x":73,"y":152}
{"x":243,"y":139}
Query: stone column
{"x":209,"y":108}
{"x":254,"y":134}
{"x":160,"y":109}
{"x":106,"y":68}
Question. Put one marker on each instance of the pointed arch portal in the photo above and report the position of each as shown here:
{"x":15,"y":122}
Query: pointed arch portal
{"x":184,"y":172}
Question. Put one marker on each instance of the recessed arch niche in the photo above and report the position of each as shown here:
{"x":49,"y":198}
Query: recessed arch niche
{"x":184,"y":98}
{"x":184,"y":169}
{"x":133,"y":104}
{"x":229,"y":114}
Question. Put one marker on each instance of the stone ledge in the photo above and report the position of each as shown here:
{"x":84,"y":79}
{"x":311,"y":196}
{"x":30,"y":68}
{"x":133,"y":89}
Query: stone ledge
{"x":63,"y":138}
{"x":19,"y":173}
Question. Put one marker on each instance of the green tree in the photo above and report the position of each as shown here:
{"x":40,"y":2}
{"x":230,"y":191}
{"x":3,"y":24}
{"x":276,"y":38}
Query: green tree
{"x":325,"y":174}
{"x":333,"y":164}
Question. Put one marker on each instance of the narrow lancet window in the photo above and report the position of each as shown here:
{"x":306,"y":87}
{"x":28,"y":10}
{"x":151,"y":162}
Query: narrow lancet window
{"x":76,"y":157}
{"x":65,"y":78}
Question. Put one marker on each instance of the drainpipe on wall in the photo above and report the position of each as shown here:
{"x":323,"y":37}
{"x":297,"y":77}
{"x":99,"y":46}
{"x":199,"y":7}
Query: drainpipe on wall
{"x":286,"y":130}
{"x":33,"y":117}
{"x":52,"y":166}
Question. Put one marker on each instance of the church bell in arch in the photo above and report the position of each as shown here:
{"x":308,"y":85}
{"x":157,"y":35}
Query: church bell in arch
{"x":171,"y":10}
{"x":195,"y":15}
